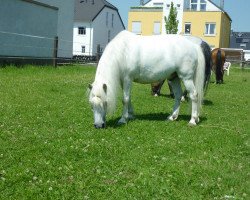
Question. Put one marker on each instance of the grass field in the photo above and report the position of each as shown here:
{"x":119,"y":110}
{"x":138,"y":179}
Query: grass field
{"x":49,"y":148}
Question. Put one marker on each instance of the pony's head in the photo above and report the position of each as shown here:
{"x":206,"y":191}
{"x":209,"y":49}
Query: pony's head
{"x":98,"y":101}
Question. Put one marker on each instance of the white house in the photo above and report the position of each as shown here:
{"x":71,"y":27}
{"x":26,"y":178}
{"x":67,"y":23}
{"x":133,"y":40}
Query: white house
{"x":181,"y":6}
{"x":165,"y":4}
{"x":96,"y":22}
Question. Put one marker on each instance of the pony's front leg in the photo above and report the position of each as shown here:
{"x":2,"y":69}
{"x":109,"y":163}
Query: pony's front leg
{"x":127,"y":106}
{"x":176,"y":87}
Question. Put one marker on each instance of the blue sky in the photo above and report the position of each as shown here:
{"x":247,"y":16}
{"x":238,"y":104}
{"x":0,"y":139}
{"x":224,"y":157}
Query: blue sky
{"x":238,"y":10}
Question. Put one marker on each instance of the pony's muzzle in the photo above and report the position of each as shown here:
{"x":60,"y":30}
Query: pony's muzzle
{"x":98,"y":126}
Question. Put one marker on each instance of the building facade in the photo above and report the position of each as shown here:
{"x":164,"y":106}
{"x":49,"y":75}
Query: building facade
{"x":31,"y":31}
{"x":95,"y":24}
{"x":200,"y":18}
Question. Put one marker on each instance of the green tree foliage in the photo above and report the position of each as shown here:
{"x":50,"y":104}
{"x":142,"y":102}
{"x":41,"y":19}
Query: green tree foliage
{"x":171,"y":23}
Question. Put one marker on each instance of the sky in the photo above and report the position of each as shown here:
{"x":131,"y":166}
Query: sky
{"x":238,"y":10}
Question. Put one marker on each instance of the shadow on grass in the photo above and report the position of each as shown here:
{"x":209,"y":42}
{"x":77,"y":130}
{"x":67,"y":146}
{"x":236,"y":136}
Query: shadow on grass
{"x":153,"y":117}
{"x":207,"y":102}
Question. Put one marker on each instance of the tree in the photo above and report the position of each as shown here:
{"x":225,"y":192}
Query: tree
{"x":171,"y":23}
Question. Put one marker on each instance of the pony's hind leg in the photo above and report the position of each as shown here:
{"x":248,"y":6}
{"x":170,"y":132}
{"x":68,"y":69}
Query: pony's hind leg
{"x":189,"y":84}
{"x":176,"y":87}
{"x":127,"y":105}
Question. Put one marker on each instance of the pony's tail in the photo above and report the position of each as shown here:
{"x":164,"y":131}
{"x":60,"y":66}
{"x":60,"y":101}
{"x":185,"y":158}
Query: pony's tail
{"x":199,"y":78}
{"x":218,"y":70}
{"x":208,"y":61}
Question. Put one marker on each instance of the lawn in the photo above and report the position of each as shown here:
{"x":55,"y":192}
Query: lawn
{"x":49,"y":148}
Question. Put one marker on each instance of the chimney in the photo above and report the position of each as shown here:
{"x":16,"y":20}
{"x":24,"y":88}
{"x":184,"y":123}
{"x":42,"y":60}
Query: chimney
{"x":222,"y":4}
{"x":141,"y":2}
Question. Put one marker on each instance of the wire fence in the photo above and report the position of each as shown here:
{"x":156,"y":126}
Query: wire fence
{"x":21,"y":48}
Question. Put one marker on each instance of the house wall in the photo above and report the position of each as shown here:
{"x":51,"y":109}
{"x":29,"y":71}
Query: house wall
{"x":198,"y":21}
{"x":18,"y":19}
{"x":225,"y":31}
{"x":101,"y":30}
{"x":82,"y":40}
{"x":64,"y":26}
{"x":147,"y":18}
{"x":159,"y":10}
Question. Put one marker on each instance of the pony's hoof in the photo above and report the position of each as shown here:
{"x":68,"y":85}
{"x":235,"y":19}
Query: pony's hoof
{"x":172,"y":118}
{"x":122,"y":121}
{"x":183,"y":99}
{"x":191,"y":124}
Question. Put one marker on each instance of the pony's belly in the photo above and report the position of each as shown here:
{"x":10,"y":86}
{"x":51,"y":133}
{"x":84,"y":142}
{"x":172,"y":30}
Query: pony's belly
{"x":152,"y":77}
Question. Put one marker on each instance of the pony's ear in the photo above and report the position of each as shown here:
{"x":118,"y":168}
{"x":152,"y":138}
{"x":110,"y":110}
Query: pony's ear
{"x":105,"y":88}
{"x":90,"y":86}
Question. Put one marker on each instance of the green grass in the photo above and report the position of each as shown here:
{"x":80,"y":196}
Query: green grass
{"x":49,"y":148}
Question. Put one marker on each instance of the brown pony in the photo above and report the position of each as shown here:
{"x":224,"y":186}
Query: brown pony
{"x":218,"y":60}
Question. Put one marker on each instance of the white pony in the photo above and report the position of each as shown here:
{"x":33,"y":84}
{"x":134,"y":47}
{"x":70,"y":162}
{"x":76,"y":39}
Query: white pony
{"x":147,"y":59}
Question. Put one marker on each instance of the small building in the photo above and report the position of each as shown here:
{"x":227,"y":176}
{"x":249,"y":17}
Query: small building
{"x":96,"y":22}
{"x":240,"y":40}
{"x":201,"y":18}
{"x":31,"y":30}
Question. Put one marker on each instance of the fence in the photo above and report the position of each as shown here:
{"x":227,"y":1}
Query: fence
{"x":16,"y":48}
{"x":240,"y":56}
{"x":31,"y":49}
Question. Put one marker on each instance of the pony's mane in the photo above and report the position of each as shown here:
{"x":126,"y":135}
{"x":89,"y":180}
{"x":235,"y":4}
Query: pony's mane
{"x":109,"y":65}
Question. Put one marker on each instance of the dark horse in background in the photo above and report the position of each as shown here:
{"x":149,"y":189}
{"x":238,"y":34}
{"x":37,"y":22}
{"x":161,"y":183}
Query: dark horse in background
{"x":218,"y":60}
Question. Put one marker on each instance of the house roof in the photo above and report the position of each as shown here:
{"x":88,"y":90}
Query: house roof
{"x":211,"y":3}
{"x":88,"y":10}
{"x":220,"y":9}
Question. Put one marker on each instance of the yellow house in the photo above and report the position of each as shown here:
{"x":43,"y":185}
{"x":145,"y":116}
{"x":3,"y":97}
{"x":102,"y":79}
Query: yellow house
{"x":145,"y":20}
{"x":212,"y":26}
{"x":200,"y":18}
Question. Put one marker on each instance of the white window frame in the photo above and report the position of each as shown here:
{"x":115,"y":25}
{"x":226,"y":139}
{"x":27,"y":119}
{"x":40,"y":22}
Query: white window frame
{"x":208,"y":31}
{"x":187,"y":23}
{"x":81,"y":30}
{"x":195,"y":3}
{"x":137,"y":27}
{"x":203,"y":3}
{"x":157,"y":28}
{"x":83,"y":49}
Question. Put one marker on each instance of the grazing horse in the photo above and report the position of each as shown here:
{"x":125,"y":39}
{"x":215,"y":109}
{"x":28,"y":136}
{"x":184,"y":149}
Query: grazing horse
{"x":218,"y":59}
{"x":147,"y":59}
{"x":156,"y":87}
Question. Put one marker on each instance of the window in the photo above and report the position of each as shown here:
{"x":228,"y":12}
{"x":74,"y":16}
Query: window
{"x":203,"y":5}
{"x":107,"y":18}
{"x":158,"y":4}
{"x":168,"y":6}
{"x":81,"y":30}
{"x":83,"y":49}
{"x":210,"y":29}
{"x":112,"y":22}
{"x":178,"y":6}
{"x":187,"y":29}
{"x":157,"y":28}
{"x":193,"y":4}
{"x":243,"y":45}
{"x":109,"y":33}
{"x":136,"y":27}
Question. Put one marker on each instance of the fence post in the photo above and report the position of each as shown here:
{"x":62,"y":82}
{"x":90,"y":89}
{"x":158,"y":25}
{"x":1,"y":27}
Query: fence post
{"x":98,"y":55}
{"x":242,"y":59}
{"x":55,"y":51}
